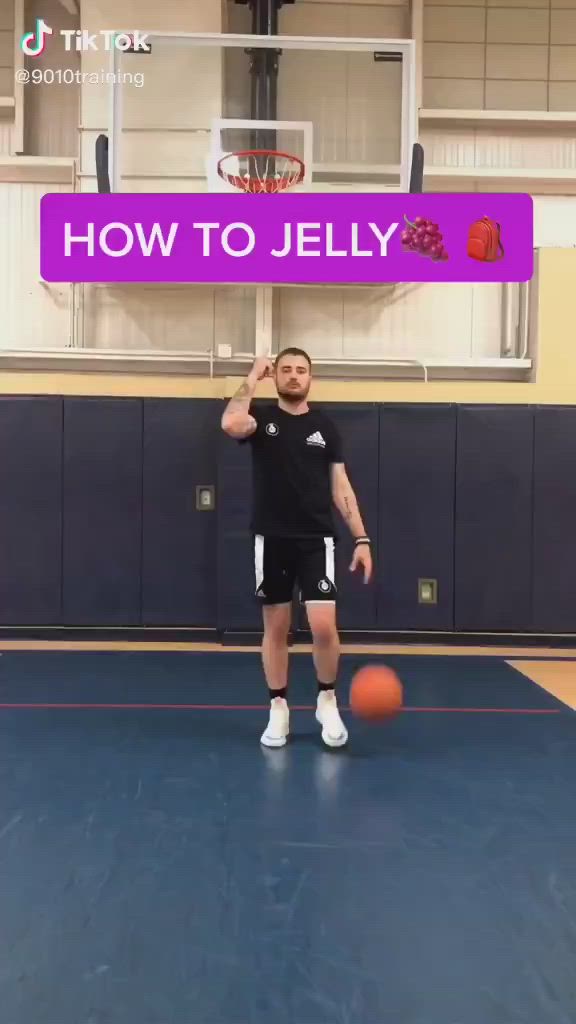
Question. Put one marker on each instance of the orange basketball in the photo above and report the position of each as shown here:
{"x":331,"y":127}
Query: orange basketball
{"x":376,"y":693}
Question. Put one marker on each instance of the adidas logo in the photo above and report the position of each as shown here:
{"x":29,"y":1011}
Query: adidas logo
{"x":316,"y":438}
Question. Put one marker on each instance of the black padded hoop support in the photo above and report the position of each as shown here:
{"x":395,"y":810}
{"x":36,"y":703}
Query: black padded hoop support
{"x":261,"y":4}
{"x":417,"y":168}
{"x":264,"y":69}
{"x":102,"y":172}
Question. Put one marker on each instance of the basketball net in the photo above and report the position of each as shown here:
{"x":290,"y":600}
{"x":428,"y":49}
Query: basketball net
{"x":261,"y":170}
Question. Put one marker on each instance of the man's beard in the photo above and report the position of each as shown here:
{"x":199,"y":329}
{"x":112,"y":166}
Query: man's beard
{"x":294,"y":395}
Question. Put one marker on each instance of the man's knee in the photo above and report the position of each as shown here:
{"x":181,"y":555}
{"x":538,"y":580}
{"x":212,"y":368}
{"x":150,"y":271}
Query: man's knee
{"x":324,"y":631}
{"x":277,"y":620}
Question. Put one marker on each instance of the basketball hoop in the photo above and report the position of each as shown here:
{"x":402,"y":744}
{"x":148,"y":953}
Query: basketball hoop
{"x":266,"y":170}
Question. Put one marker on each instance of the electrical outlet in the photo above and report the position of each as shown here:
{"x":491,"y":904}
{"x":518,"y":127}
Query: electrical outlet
{"x":427,"y":591}
{"x":205,"y":498}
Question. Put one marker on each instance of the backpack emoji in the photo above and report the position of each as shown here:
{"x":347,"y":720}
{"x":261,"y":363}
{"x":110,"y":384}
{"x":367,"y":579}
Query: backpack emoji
{"x":484,"y":243}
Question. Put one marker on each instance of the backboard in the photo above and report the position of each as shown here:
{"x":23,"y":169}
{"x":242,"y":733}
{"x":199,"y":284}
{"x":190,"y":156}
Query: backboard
{"x":346,"y":107}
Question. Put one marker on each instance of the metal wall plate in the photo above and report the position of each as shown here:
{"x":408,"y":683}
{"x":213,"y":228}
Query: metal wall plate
{"x":205,"y":498}
{"x":427,"y":591}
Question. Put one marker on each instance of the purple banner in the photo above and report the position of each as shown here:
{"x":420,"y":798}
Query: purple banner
{"x":290,"y":239}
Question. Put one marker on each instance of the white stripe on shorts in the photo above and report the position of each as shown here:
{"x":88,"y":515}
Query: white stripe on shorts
{"x":330,"y":570}
{"x":259,"y":560}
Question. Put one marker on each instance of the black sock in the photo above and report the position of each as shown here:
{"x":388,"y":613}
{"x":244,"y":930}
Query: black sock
{"x":326,"y":687}
{"x":278,"y":693}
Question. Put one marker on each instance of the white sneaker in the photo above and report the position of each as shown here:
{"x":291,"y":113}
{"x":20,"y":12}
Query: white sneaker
{"x":278,"y":727}
{"x":334,"y":732}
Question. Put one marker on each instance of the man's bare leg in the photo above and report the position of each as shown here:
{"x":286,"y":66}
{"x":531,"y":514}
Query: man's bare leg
{"x":326,"y":654}
{"x":277,"y":619}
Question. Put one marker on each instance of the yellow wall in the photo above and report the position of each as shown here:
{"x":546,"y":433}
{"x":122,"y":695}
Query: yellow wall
{"x":555,"y":378}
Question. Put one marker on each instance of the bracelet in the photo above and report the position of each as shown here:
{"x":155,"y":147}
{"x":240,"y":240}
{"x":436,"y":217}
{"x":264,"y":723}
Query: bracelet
{"x":362,"y":540}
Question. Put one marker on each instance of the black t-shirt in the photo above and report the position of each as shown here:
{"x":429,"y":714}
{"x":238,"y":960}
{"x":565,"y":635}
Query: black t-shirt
{"x":291,"y":459}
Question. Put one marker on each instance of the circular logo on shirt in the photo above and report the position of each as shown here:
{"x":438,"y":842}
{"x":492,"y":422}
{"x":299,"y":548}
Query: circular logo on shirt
{"x":324,"y":586}
{"x":271,"y":429}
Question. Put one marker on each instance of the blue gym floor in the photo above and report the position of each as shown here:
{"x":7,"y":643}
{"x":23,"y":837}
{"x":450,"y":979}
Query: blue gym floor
{"x":157,"y":866}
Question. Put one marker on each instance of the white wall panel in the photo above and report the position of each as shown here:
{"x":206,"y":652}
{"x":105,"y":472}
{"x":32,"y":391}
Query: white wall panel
{"x":160,"y":153}
{"x":353,"y":102}
{"x":182,"y":87}
{"x":485,"y":320}
{"x":484,"y":147}
{"x":236,"y":76}
{"x":356,"y":119}
{"x":164,"y":318}
{"x":314,"y":87}
{"x":7,"y":90}
{"x":405,"y":321}
{"x":51,"y":110}
{"x":7,"y":47}
{"x":313,"y":319}
{"x":143,"y":185}
{"x":325,"y":18}
{"x":5,"y":137}
{"x":33,"y":315}
{"x":352,"y":4}
{"x":515,"y":50}
{"x":7,"y":16}
{"x":374,"y":109}
{"x":182,"y":93}
{"x":149,"y":15}
{"x":555,"y":221}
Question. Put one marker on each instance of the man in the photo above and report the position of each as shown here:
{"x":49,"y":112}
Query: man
{"x":298,"y":472}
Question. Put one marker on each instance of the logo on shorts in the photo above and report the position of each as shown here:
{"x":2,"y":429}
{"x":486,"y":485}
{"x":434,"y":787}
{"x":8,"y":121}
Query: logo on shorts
{"x":271,"y":429}
{"x":324,"y":586}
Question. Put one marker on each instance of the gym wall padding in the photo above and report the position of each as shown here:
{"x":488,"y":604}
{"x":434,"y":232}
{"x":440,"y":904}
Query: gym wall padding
{"x":554,"y":551}
{"x":493,"y":553}
{"x":181,"y":441}
{"x":30,"y":510}
{"x":237,"y":606}
{"x":416,"y":522}
{"x":102,"y":511}
{"x":98,"y":524}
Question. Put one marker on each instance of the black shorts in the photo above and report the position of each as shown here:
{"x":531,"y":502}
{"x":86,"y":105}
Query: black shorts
{"x":282,"y":562}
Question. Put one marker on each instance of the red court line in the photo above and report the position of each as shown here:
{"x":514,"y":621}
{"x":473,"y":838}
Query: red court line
{"x":263,"y":707}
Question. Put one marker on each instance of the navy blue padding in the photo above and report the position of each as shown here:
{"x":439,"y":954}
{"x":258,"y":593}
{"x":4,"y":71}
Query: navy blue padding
{"x":358,"y":426}
{"x":237,"y":606}
{"x":179,"y":542}
{"x":494,"y":477}
{"x":554,"y":594}
{"x":416,"y":523}
{"x":102,"y":511}
{"x":30,"y":511}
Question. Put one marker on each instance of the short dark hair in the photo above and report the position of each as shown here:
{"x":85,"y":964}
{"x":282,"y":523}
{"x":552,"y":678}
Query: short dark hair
{"x":292,"y":351}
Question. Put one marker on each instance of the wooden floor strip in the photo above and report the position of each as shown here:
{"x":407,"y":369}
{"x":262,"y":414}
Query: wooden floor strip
{"x":556,"y":677}
{"x":380,"y":650}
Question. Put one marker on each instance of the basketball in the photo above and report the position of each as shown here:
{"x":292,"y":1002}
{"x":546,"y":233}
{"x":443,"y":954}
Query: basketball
{"x":376,"y":693}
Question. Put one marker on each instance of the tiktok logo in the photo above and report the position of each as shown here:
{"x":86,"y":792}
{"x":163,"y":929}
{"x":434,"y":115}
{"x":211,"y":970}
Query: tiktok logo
{"x":33,"y":43}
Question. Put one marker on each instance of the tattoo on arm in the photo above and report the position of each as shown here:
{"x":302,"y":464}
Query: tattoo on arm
{"x":350,"y":512}
{"x":240,"y":401}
